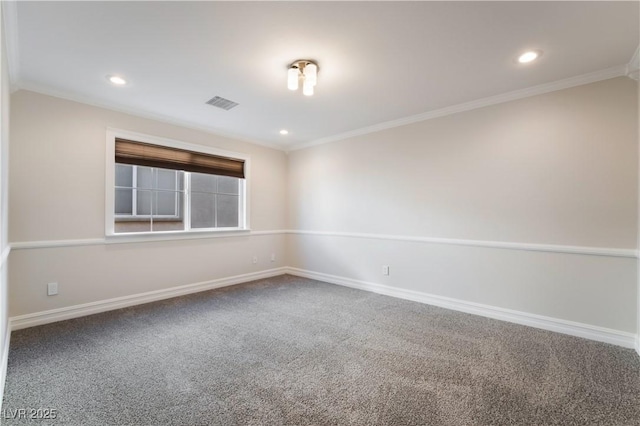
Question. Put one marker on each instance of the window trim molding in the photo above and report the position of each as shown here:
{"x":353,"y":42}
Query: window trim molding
{"x":113,"y":133}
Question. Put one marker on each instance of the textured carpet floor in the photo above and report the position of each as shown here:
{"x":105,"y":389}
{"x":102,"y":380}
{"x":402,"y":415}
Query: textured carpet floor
{"x":294,"y":351}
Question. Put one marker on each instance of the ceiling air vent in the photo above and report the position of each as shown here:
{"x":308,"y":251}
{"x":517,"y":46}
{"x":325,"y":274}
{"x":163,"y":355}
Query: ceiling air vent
{"x":223,"y":103}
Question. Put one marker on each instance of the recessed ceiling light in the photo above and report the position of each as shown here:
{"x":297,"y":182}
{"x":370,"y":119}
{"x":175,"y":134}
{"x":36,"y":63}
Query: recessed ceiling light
{"x":284,"y":132}
{"x":529,"y":56}
{"x":118,"y":81}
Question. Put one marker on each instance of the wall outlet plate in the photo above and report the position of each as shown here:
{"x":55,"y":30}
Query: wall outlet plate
{"x":385,"y":269}
{"x":52,"y":289}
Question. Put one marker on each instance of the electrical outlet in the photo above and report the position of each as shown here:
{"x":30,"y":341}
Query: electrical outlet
{"x":255,"y":259}
{"x":385,"y":269}
{"x":273,"y":257}
{"x":52,"y":289}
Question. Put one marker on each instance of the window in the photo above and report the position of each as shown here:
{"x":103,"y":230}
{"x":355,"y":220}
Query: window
{"x":160,"y":186}
{"x":214,"y":201}
{"x":148,"y":199}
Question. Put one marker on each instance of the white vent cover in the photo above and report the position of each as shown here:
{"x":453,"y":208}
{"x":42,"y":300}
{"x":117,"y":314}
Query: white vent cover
{"x":223,"y":103}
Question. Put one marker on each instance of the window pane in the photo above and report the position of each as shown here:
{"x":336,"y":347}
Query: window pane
{"x":202,"y":210}
{"x":227,"y":211}
{"x":166,"y":179}
{"x":124,"y":201}
{"x":168,"y":220}
{"x":203,"y":183}
{"x":145,"y":177}
{"x":228,"y":185}
{"x":143,"y":204}
{"x":124,"y":175}
{"x":165,"y":203}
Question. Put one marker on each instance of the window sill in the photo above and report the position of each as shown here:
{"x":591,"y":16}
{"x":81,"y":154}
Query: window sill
{"x":141,"y":237}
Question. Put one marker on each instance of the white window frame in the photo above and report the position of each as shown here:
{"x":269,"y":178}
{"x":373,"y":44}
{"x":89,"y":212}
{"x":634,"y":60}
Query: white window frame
{"x":110,"y":216}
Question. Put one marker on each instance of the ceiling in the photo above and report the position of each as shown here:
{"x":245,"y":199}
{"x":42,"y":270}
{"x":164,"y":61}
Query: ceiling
{"x":379,"y":61}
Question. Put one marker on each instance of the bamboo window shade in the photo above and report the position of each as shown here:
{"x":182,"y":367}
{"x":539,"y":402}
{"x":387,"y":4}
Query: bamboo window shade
{"x":144,"y":154}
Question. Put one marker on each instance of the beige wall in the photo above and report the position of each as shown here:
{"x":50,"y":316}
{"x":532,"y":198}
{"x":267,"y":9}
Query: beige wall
{"x":593,"y":290}
{"x":554,"y":169}
{"x":58,"y":193}
{"x":58,"y":163}
{"x":4,"y":190}
{"x":100,"y":272}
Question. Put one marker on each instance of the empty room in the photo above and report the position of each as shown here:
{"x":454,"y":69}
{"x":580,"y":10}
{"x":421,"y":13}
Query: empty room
{"x":319,"y":213}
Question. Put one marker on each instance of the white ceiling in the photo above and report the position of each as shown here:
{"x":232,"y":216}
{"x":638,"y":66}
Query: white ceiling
{"x":379,"y":61}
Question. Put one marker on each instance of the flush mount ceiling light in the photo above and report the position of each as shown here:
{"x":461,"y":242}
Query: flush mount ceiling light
{"x":117,"y":80}
{"x":529,"y":56}
{"x":303,"y":70}
{"x":284,"y":132}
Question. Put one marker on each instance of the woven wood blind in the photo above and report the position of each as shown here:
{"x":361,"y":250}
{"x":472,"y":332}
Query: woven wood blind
{"x":144,"y":154}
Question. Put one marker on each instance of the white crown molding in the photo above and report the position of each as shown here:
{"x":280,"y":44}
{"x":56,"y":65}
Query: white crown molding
{"x":593,"y":77}
{"x":10,"y":21}
{"x":567,"y":83}
{"x":633,"y":67}
{"x":553,"y":248}
{"x":87,"y":100}
{"x":60,"y":314}
{"x":600,"y":334}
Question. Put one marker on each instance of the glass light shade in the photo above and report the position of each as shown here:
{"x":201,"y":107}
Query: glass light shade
{"x":311,"y":74}
{"x":292,"y":78}
{"x":307,"y":88}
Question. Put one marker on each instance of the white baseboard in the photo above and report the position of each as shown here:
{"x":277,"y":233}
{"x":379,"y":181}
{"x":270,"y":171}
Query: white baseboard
{"x":600,"y":334}
{"x":60,"y":314}
{"x":4,"y":360}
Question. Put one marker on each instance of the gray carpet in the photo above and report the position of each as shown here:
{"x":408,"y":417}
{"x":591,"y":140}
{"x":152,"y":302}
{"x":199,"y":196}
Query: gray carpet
{"x":294,"y":351}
